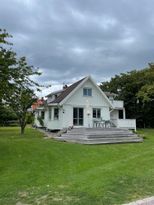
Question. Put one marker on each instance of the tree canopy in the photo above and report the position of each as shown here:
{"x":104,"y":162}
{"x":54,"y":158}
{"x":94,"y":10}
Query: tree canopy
{"x":136,"y":88}
{"x":16,"y":85}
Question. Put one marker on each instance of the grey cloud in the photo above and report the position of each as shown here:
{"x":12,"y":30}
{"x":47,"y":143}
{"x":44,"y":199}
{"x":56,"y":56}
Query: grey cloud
{"x":72,"y":38}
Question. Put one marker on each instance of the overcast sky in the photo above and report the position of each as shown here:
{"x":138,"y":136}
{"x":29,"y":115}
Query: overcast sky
{"x":69,"y":39}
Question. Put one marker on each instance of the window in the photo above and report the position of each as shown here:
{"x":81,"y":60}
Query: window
{"x":78,"y":116}
{"x":56,"y":113}
{"x":50,"y":113}
{"x":87,"y":92}
{"x":42,"y":114}
{"x":96,"y":113}
{"x":120,"y":114}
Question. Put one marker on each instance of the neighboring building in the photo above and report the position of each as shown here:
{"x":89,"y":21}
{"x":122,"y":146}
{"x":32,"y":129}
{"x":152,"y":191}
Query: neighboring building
{"x":83,"y":104}
{"x":38,"y":103}
{"x":38,"y":109}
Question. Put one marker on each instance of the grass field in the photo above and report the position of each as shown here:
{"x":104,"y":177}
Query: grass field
{"x":38,"y":171}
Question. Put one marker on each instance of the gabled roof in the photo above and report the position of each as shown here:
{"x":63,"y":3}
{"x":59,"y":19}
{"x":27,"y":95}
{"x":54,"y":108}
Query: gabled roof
{"x":66,"y":92}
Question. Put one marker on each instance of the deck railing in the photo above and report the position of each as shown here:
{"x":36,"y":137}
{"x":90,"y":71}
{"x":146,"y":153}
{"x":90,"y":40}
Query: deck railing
{"x":125,"y":123}
{"x":117,"y":103}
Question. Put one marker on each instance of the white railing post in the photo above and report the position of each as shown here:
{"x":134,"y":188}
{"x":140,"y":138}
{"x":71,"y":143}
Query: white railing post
{"x":124,"y":113}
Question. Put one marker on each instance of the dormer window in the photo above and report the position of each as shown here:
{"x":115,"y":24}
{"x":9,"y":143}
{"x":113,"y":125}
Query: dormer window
{"x":87,"y":92}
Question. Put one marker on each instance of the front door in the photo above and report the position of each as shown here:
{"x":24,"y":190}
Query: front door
{"x":77,"y":116}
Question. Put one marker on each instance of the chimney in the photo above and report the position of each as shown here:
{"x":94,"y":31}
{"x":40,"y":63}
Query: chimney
{"x":65,"y":86}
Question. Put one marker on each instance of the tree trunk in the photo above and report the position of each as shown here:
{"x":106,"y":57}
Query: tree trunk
{"x":22,"y":129}
{"x":22,"y":126}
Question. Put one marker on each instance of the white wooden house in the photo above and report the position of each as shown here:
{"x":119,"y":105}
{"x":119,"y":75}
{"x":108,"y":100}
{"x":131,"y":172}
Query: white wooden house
{"x":82,"y":104}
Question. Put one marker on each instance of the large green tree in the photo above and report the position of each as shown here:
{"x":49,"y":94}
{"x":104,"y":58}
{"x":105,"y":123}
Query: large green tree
{"x":20,"y":96}
{"x":146,"y":93}
{"x":7,"y":63}
{"x":136,"y":88}
{"x":16,"y":85}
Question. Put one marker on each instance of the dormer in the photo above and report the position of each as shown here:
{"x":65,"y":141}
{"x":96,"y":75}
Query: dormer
{"x":52,"y":96}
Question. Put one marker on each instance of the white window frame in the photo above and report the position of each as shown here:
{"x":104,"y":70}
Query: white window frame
{"x":86,"y":92}
{"x":97,"y":109}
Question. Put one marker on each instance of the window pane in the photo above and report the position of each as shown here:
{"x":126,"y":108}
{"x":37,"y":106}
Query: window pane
{"x":75,"y":121}
{"x":89,"y":92}
{"x":56,"y":113}
{"x":78,"y":116}
{"x":80,"y":112}
{"x":84,"y":91}
{"x":80,"y":121}
{"x":98,"y":113}
{"x":94,"y":113}
{"x":75,"y":112}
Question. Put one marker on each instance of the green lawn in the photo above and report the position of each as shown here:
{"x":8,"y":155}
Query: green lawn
{"x":38,"y":171}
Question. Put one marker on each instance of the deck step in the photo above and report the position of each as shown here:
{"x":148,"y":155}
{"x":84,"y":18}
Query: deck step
{"x":105,"y":141}
{"x":99,"y":136}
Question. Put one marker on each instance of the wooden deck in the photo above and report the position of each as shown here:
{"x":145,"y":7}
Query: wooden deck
{"x":99,"y":136}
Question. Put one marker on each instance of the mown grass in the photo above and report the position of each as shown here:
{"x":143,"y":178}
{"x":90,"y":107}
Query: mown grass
{"x":38,"y":171}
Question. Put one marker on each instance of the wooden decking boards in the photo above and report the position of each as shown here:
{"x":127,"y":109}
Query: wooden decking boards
{"x":99,"y":136}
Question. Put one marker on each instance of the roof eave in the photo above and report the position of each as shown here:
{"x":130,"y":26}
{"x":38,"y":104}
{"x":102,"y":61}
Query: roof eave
{"x":53,"y":104}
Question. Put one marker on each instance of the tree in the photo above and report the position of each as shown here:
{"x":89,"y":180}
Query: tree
{"x":20,"y":96}
{"x":7,"y":114}
{"x":136,"y":89}
{"x":7,"y":63}
{"x":146,"y":93}
{"x":16,"y":85}
{"x":21,"y":101}
{"x":3,"y":36}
